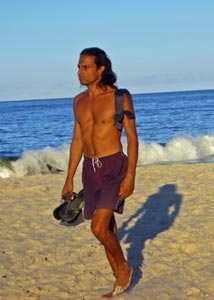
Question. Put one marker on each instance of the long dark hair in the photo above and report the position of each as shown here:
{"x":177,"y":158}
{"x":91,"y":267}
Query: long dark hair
{"x":101,"y":59}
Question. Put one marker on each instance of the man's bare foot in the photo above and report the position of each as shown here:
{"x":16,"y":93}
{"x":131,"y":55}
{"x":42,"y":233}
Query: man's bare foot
{"x":123,"y":281}
{"x":109,"y":295}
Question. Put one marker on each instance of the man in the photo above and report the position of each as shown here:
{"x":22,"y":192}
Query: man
{"x":108,"y":175}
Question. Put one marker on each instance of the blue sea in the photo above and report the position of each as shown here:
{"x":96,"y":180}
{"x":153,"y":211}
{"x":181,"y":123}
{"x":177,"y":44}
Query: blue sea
{"x":172,"y":127}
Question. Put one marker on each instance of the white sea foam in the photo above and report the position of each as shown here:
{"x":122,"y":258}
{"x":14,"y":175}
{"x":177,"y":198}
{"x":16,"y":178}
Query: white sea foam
{"x":5,"y":172}
{"x":182,"y":149}
{"x":35,"y":162}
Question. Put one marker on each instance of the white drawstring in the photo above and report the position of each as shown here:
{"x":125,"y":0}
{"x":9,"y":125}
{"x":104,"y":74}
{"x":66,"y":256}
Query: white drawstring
{"x":96,"y":163}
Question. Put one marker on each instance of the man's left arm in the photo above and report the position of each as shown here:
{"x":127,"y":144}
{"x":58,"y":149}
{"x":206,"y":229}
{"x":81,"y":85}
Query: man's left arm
{"x":127,"y":186}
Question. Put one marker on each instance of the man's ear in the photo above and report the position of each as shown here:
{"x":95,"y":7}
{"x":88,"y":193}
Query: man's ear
{"x":101,"y":69}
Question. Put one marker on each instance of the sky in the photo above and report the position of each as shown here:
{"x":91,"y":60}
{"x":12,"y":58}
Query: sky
{"x":154,"y":46}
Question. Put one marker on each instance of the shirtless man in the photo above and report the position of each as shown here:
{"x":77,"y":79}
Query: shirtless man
{"x":108,"y":174}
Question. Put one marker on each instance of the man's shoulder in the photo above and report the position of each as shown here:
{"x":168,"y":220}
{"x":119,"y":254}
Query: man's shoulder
{"x":80,"y":96}
{"x":122,"y":91}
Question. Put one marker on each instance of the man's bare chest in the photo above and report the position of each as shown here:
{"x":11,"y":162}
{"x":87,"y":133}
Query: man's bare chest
{"x":96,"y":112}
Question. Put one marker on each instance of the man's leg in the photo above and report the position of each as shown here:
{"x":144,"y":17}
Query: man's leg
{"x":101,"y":229}
{"x":112,"y":262}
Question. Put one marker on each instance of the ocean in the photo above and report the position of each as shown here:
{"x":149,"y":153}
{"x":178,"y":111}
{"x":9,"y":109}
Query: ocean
{"x":172,"y":127}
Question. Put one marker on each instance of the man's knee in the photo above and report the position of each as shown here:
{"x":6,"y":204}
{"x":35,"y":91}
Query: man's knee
{"x":100,"y":223}
{"x":98,"y":230}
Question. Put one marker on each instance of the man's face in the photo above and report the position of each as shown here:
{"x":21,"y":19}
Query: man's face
{"x":88,"y":72}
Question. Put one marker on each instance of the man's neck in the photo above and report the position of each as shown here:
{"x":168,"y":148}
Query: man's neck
{"x":95,"y":90}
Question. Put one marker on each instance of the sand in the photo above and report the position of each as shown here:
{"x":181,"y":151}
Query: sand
{"x":166,"y":231}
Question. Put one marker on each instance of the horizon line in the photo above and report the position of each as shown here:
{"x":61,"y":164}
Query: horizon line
{"x":144,"y":93}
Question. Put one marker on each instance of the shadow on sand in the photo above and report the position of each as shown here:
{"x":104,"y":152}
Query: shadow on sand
{"x":156,"y":215}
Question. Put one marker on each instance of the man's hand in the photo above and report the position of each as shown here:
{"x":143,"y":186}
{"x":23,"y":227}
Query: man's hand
{"x":68,"y":188}
{"x":126,"y":187}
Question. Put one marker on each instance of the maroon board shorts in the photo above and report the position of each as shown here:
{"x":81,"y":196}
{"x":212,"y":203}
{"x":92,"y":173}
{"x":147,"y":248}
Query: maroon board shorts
{"x":101,"y":179}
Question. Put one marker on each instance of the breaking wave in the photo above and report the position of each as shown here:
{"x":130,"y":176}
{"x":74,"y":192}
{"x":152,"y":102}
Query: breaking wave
{"x":182,"y":149}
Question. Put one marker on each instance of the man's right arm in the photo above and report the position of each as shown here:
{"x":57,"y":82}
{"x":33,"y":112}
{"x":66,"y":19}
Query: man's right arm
{"x":76,"y":150}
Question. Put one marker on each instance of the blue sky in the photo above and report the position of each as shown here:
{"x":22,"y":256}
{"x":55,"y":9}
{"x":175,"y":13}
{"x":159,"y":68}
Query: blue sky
{"x":155,"y":46}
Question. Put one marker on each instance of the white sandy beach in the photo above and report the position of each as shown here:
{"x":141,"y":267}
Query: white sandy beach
{"x":166,"y":231}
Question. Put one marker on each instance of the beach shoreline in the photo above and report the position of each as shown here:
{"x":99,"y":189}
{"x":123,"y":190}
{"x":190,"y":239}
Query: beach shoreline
{"x":166,"y":232}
